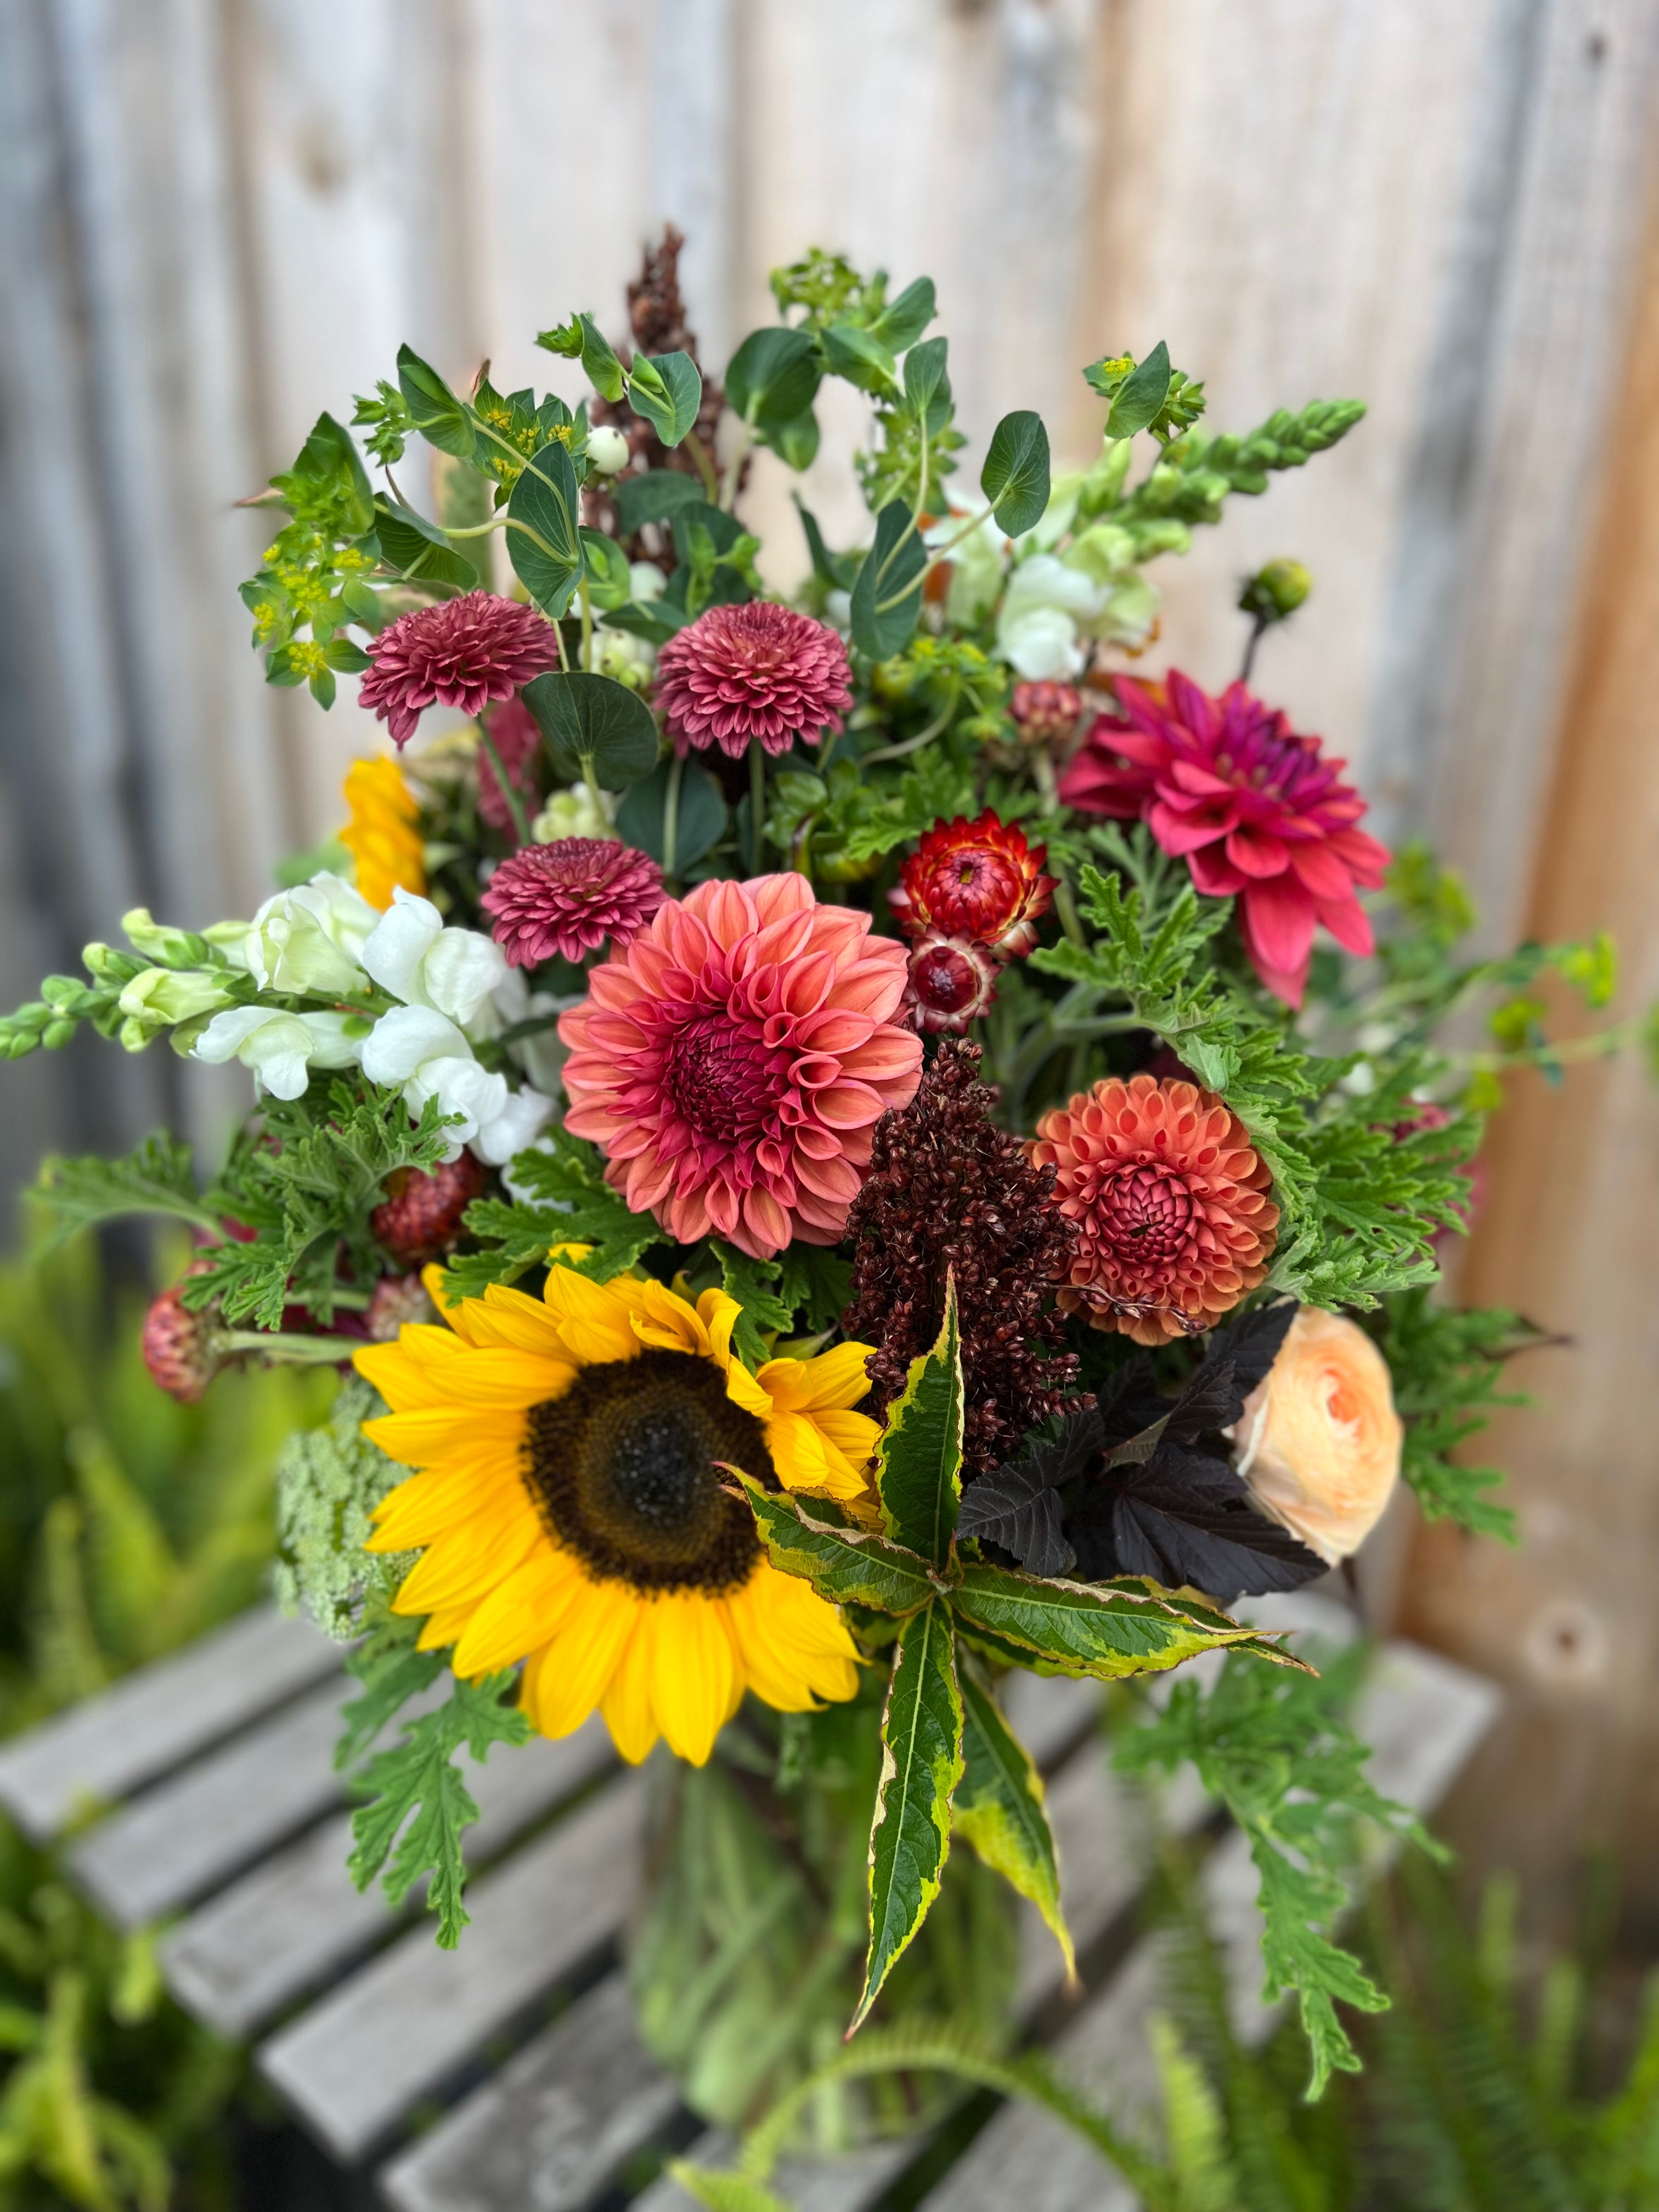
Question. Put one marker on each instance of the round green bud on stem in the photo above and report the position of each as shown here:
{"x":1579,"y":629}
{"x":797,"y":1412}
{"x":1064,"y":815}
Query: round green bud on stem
{"x":1276,"y":591}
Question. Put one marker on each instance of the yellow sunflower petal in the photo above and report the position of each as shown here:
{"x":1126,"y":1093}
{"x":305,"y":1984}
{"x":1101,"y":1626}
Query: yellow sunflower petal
{"x":520,"y":1613}
{"x":510,"y":1318}
{"x":440,"y":1630}
{"x":428,"y":1433}
{"x":854,"y":1436}
{"x":662,"y":1320}
{"x":805,"y":1460}
{"x":500,"y":1379}
{"x":468,"y":1562}
{"x":569,"y":1675}
{"x":694,"y":1669}
{"x":629,"y":1712}
{"x":399,"y":1372}
{"x":742,"y":1389}
{"x":718,"y":1314}
{"x":418,"y":1511}
{"x":432,"y":1281}
{"x":834,"y":1379}
{"x":793,"y":1646}
{"x":594,"y":1324}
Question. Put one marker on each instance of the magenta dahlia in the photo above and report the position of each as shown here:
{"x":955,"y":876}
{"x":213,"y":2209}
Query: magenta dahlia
{"x":517,"y":737}
{"x":1256,"y":811}
{"x":760,"y":671}
{"x":569,"y":896}
{"x":463,"y":654}
{"x":732,"y":1062}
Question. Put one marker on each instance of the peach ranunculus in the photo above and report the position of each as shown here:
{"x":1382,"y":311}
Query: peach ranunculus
{"x":1319,"y":1439}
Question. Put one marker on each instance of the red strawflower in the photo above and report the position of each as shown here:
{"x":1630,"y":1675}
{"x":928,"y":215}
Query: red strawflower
{"x":463,"y":654}
{"x":517,"y":737}
{"x":760,"y":671}
{"x":1169,"y":1200}
{"x":952,"y":982}
{"x":1256,"y":811}
{"x":975,"y":879}
{"x":732,"y":1062}
{"x":420,"y":1219}
{"x":569,"y":896}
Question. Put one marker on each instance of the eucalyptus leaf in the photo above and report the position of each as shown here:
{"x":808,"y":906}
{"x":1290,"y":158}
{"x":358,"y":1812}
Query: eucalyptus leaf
{"x":600,"y":364}
{"x":656,"y":619}
{"x":919,"y":1457}
{"x":666,"y":388}
{"x":902,"y":321}
{"x":1001,"y":1809}
{"x":797,"y":442}
{"x":920,"y":1766}
{"x":589,"y":719}
{"x":606,"y":566}
{"x":1015,"y":477}
{"x":657,"y":496}
{"x":887,"y":597}
{"x":1141,"y":394}
{"x":860,"y":359}
{"x":925,"y":375}
{"x":543,"y":541}
{"x":700,"y":823}
{"x":441,"y":419}
{"x":774,"y":377}
{"x":418,"y":549}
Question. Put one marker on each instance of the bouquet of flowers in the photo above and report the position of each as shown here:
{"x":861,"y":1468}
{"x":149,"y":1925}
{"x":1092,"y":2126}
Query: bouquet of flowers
{"x":844,"y":1143}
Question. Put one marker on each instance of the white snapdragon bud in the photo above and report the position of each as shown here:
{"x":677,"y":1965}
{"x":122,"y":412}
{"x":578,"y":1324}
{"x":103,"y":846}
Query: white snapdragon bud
{"x":162,"y":997}
{"x":311,"y":938}
{"x":414,"y":956}
{"x":280,"y":1049}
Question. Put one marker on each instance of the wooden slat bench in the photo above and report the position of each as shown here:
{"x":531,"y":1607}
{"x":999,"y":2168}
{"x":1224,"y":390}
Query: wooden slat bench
{"x":221,"y":1809}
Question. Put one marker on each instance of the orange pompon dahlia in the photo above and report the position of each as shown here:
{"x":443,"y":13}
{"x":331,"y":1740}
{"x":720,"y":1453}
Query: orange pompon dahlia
{"x":980,"y":880}
{"x":1169,"y":1199}
{"x":732,"y":1059}
{"x":383,"y":835}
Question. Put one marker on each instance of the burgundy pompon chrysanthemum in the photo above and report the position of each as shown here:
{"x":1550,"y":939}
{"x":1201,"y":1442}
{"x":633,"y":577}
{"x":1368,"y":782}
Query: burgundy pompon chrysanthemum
{"x":949,"y":1192}
{"x":463,"y":654}
{"x":756,"y":671}
{"x":517,"y":737}
{"x":1256,"y":810}
{"x":569,"y":896}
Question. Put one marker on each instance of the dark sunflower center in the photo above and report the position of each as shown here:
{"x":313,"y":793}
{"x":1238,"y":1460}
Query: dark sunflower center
{"x":625,"y":1469}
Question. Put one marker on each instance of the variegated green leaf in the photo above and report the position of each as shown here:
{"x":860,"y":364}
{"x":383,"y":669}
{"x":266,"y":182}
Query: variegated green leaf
{"x":921,"y":1765}
{"x":919,"y":1459}
{"x":999,"y":1807}
{"x":849,"y":1566}
{"x":1103,"y":1629}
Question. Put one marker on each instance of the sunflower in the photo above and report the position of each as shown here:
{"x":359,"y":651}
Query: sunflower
{"x":570,"y":1510}
{"x":383,"y":835}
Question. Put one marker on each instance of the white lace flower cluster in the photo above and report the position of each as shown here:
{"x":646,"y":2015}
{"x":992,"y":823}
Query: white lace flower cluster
{"x":454,"y":988}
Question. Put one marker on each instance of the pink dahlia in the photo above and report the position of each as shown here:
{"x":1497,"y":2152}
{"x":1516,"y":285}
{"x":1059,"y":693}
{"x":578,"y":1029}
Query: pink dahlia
{"x":952,"y":982}
{"x":760,"y":671}
{"x":463,"y":654}
{"x":732,"y":1062}
{"x":569,"y":896}
{"x":1257,"y":811}
{"x":517,"y":737}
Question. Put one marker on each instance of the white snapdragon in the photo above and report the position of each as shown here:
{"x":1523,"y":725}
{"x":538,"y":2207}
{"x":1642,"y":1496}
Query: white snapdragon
{"x":452,"y":971}
{"x":1043,"y":610}
{"x":281,"y":1049}
{"x":310,"y":940}
{"x":978,"y":562}
{"x":421,"y":1052}
{"x":161,"y":998}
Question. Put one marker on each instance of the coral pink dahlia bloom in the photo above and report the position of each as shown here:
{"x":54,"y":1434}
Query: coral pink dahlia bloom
{"x":732,"y":1062}
{"x":760,"y":671}
{"x":1256,"y":811}
{"x":569,"y":896}
{"x":463,"y":654}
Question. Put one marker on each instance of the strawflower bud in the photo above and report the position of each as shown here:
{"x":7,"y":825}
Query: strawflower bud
{"x":1319,"y":1440}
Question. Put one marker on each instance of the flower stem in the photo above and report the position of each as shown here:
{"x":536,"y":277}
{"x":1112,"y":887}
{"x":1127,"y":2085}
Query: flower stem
{"x":670,"y":818}
{"x":506,"y":785}
{"x":588,"y":625}
{"x":286,"y":1348}
{"x":699,"y":453}
{"x":756,"y":804}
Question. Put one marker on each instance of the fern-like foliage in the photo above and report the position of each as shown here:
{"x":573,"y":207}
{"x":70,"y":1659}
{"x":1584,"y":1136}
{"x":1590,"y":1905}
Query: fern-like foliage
{"x":563,"y":1199}
{"x":1446,"y":1365}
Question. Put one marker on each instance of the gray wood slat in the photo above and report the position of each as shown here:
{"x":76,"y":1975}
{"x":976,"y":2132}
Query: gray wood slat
{"x":542,"y":2137}
{"x":193,"y":1832}
{"x":353,"y":2065}
{"x":107,"y":1748}
{"x":295,"y":1920}
{"x":1424,"y":1717}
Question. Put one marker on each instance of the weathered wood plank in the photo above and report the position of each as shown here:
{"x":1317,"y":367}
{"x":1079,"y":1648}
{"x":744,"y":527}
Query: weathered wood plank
{"x":102,"y":1751}
{"x":353,"y":2066}
{"x":297,"y":1919}
{"x":1424,"y":1717}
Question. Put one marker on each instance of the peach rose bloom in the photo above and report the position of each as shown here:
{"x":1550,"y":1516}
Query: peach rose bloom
{"x":1319,"y":1439}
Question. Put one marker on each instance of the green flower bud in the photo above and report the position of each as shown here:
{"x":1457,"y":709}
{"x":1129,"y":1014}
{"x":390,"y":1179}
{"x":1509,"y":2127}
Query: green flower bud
{"x":167,"y":947}
{"x":161,"y":996}
{"x":1276,"y":591}
{"x":57,"y":1033}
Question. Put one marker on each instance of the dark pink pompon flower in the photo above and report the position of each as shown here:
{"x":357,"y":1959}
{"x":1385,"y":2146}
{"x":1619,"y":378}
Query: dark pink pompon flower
{"x":463,"y":654}
{"x":1257,"y":811}
{"x":517,"y":737}
{"x":732,"y":1062}
{"x":569,"y":896}
{"x":760,"y":671}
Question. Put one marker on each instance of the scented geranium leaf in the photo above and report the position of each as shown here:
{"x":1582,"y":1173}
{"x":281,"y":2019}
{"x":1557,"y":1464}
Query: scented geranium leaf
{"x":657,"y":496}
{"x":1447,"y":1364}
{"x":565,"y":1200}
{"x":392,"y":1671}
{"x":813,"y":1282}
{"x":1017,"y":1508}
{"x":1000,"y":1806}
{"x":849,"y":1566}
{"x":155,"y":1177}
{"x":1015,"y":477}
{"x":750,"y":1283}
{"x":543,"y":541}
{"x":919,"y":1458}
{"x":441,"y":419}
{"x":417,"y":1802}
{"x":1104,"y":1632}
{"x":887,"y":597}
{"x":920,"y":1766}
